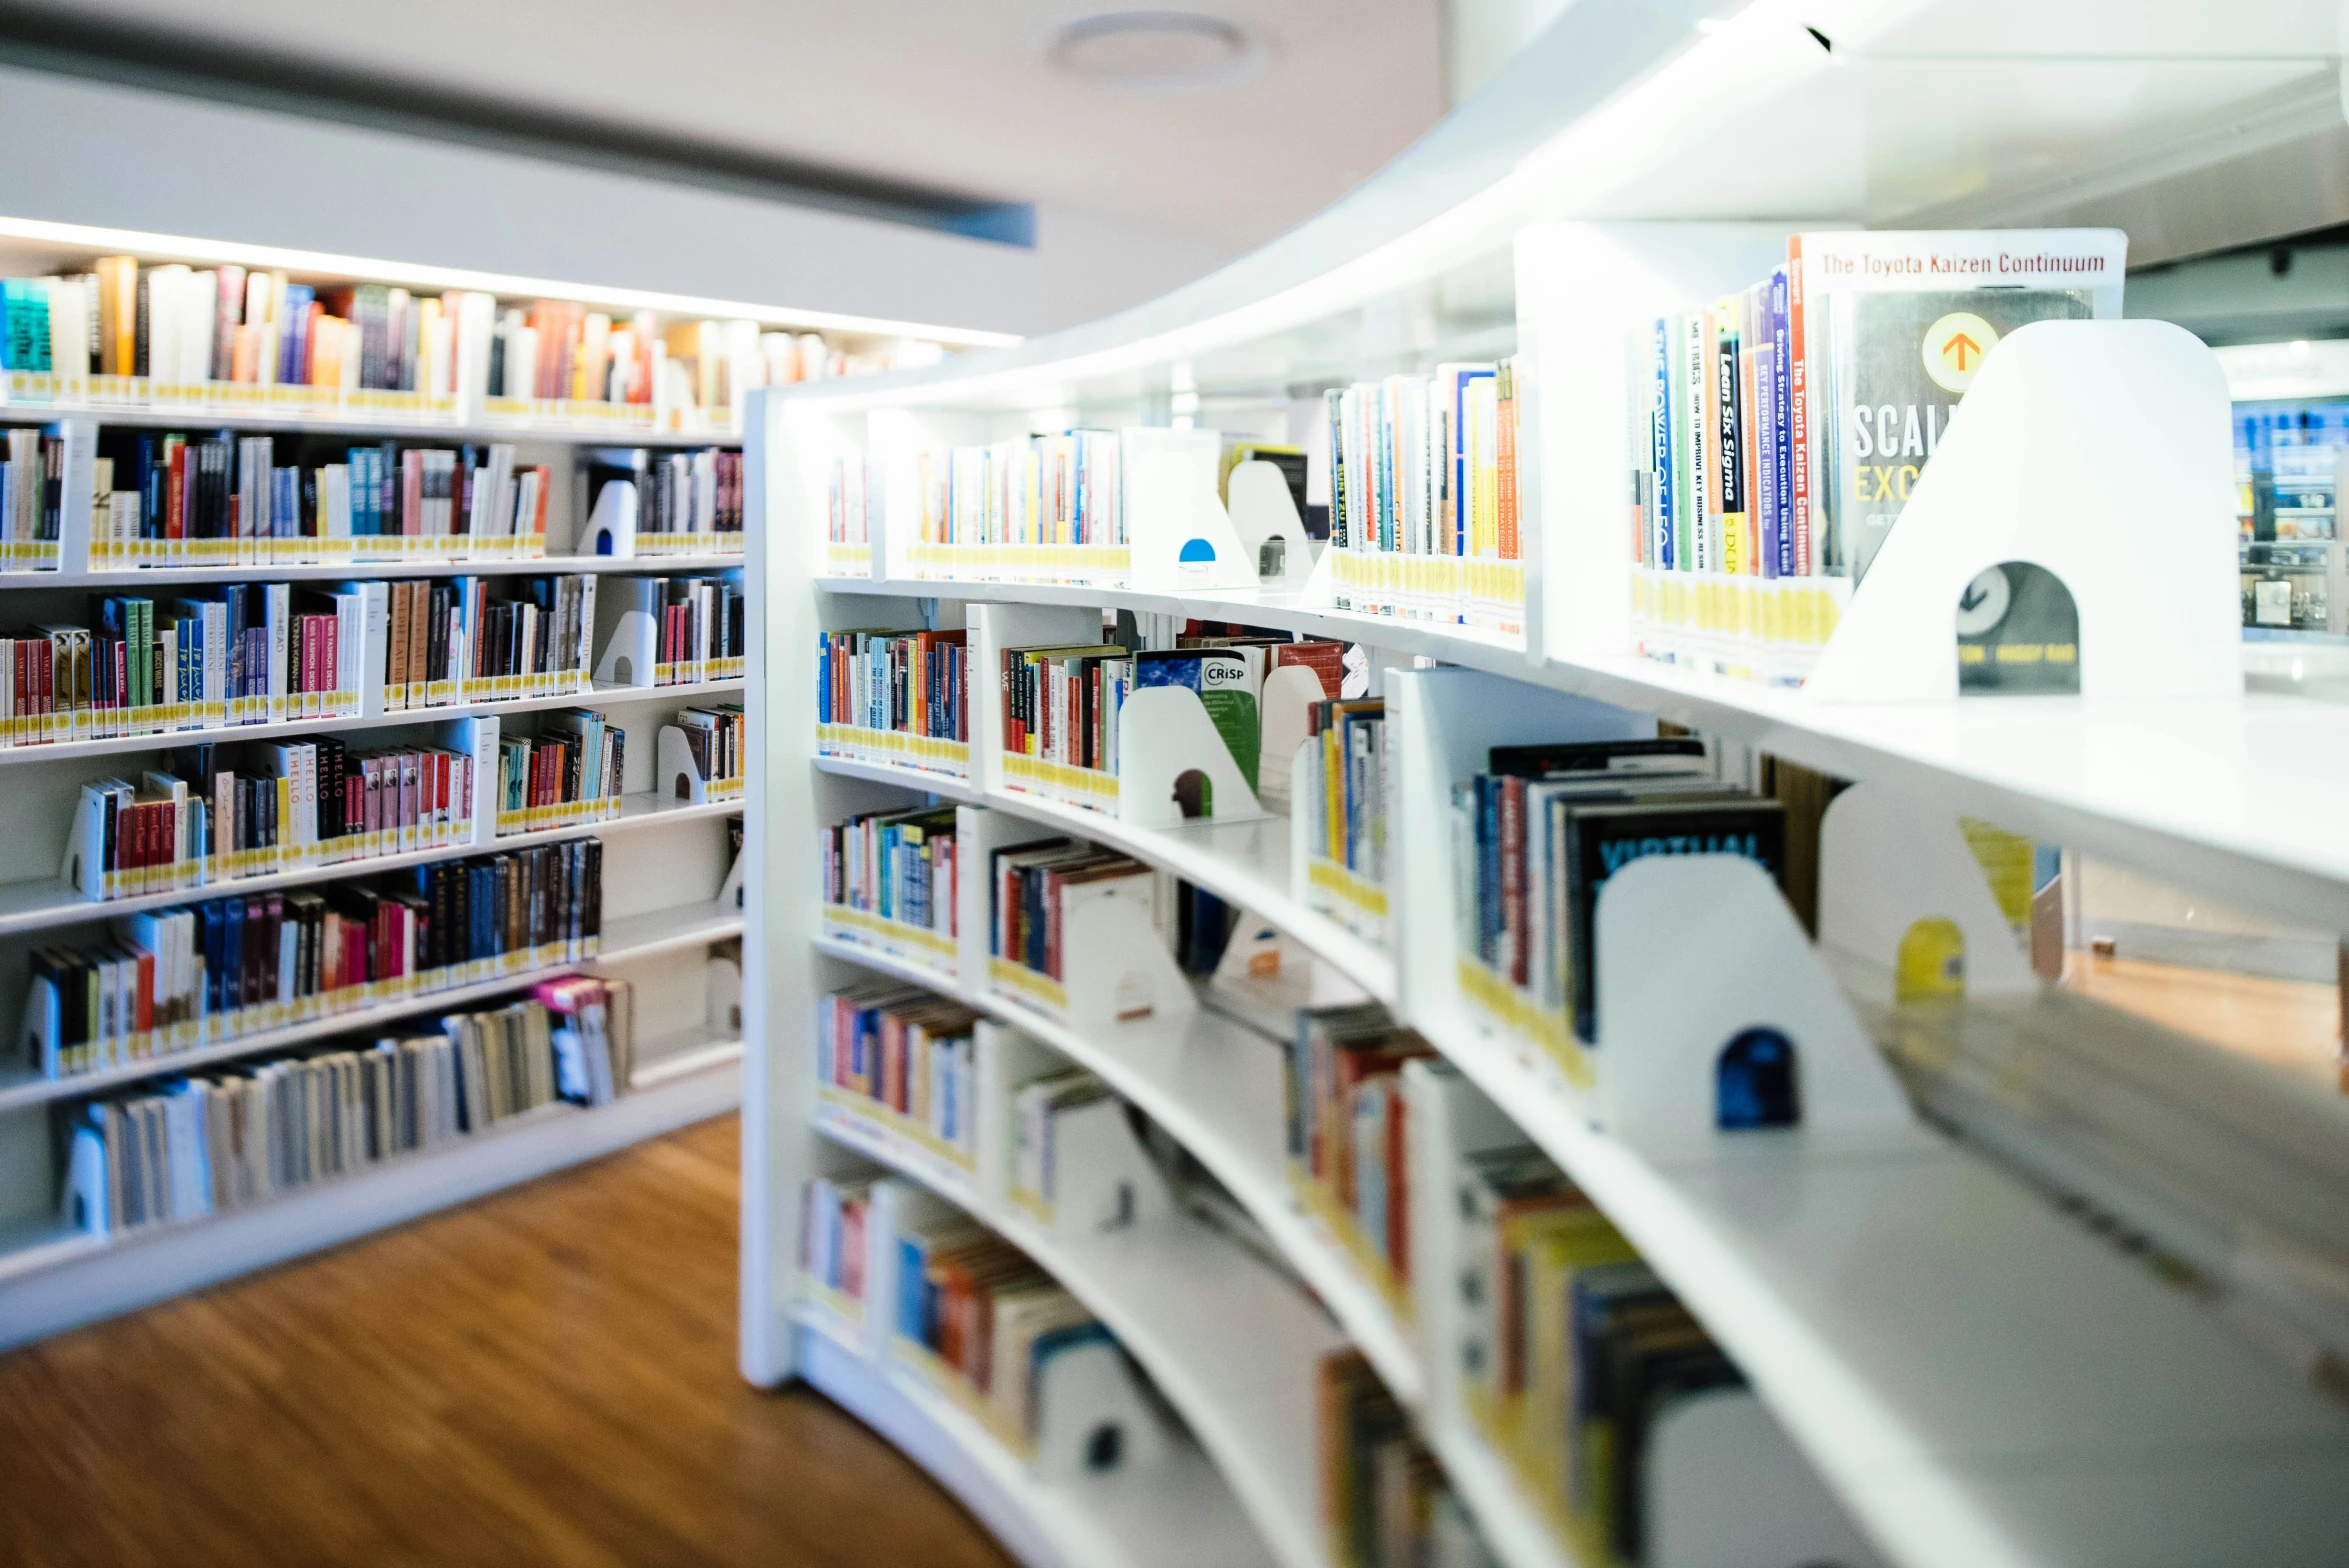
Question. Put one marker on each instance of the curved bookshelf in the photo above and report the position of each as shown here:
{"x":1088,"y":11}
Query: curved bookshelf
{"x":1979,"y":1377}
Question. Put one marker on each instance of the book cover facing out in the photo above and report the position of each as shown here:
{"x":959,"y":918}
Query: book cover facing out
{"x":1227,"y":681}
{"x":1602,"y":840}
{"x":1901,"y":364}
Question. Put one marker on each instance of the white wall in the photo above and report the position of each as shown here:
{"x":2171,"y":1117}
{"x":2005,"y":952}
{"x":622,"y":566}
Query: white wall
{"x":87,"y":152}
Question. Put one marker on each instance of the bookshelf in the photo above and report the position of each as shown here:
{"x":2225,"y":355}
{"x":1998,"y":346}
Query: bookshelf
{"x":670,"y":910}
{"x":1949,"y":1353}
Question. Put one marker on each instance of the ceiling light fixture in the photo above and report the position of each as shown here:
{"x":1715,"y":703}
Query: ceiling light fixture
{"x":1155,"y":51}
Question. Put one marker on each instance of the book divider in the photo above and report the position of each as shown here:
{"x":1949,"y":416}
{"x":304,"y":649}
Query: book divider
{"x":2098,"y":451}
{"x":1263,"y":510}
{"x":1901,"y":893}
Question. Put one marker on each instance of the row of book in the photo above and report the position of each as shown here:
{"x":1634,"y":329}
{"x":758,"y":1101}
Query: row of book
{"x":32,"y":500}
{"x":716,"y":742}
{"x":1785,"y":425}
{"x":1039,"y":490}
{"x":232,"y":655}
{"x":179,"y":332}
{"x":913,"y":684}
{"x":1045,"y":1113}
{"x":571,"y":770}
{"x":221,"y":1141}
{"x":170,"y":500}
{"x":1041,"y":890}
{"x":171,"y":979}
{"x":1348,"y":1147}
{"x":1424,"y":503}
{"x":1384,"y":1497}
{"x":1342,"y":804}
{"x":987,"y":1316}
{"x":1571,"y":1349}
{"x":896,"y":866}
{"x":694,"y":494}
{"x":906,"y":1053}
{"x":1537,"y":835}
{"x":699,"y":623}
{"x":212,"y":814}
{"x":487,"y":639}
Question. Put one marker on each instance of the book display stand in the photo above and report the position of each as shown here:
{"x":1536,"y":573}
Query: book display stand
{"x":1946,"y":1361}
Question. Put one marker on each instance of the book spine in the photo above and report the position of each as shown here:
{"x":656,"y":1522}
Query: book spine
{"x":1800,"y":469}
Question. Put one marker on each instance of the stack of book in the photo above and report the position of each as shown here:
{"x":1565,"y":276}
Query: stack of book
{"x":169,"y":979}
{"x":975,"y":1312}
{"x":905,"y":1058}
{"x":1383,"y":1496}
{"x":1571,"y":1349}
{"x":1782,"y":428}
{"x":593,"y":1032}
{"x":1348,"y":1137}
{"x":1060,"y":713}
{"x":222,"y":1141}
{"x":888,"y":879}
{"x":1536,"y":837}
{"x":166,"y":500}
{"x":569,"y":772}
{"x":206,"y":816}
{"x":901,"y":697}
{"x":853,"y":504}
{"x":1424,"y":514}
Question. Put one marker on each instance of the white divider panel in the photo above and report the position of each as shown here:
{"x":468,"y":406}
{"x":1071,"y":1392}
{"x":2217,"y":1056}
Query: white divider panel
{"x":1884,"y":865}
{"x":1440,"y":725}
{"x":1163,"y":732}
{"x":1282,"y":715}
{"x":627,"y":614}
{"x":1103,"y":1180}
{"x":2099,"y":450}
{"x":375,"y":613}
{"x":1583,"y":291}
{"x":1692,"y":950}
{"x":1006,"y":1058}
{"x":1181,"y":537}
{"x":1450,"y":1119}
{"x":611,"y":526}
{"x":1262,"y":509}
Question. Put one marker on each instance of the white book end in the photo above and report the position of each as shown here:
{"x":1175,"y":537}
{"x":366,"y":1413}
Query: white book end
{"x":1264,"y":516}
{"x":1282,"y":716}
{"x":1114,"y":965}
{"x":1103,"y":1180}
{"x":1164,"y":738}
{"x":1725,"y":1487}
{"x":611,"y":527}
{"x":1707,"y":987}
{"x":1092,"y":1418}
{"x":676,"y":776}
{"x":1182,"y":539}
{"x":1900,"y":891}
{"x":631,"y":650}
{"x":2099,"y":451}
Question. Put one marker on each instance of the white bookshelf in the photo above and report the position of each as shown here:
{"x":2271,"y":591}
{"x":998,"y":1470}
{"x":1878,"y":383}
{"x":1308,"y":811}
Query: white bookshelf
{"x":668,"y":898}
{"x":1976,"y":1373}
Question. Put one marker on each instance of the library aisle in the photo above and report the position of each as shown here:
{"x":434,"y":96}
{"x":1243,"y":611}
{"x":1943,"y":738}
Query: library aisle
{"x":546,"y":1376}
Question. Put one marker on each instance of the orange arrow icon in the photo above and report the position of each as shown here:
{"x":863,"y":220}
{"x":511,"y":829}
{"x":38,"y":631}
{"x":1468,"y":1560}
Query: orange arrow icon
{"x":1958,"y":346}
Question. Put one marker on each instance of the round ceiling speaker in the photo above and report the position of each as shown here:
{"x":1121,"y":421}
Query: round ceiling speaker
{"x":1155,"y":51}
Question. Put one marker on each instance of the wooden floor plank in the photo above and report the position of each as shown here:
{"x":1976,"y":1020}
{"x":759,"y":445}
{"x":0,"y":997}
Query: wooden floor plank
{"x":543,"y":1377}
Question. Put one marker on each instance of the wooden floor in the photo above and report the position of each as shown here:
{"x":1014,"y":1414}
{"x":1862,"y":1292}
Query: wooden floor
{"x":544,"y":1377}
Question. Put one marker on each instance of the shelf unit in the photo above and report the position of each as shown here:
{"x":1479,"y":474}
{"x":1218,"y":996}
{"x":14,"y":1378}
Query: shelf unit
{"x":670,"y":878}
{"x":1976,"y":1375}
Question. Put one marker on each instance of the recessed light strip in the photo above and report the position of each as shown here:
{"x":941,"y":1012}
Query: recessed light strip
{"x":357,"y":269}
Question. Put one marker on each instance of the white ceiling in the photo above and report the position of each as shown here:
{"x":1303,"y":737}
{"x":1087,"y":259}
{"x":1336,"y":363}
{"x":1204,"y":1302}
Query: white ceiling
{"x":955,"y":94}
